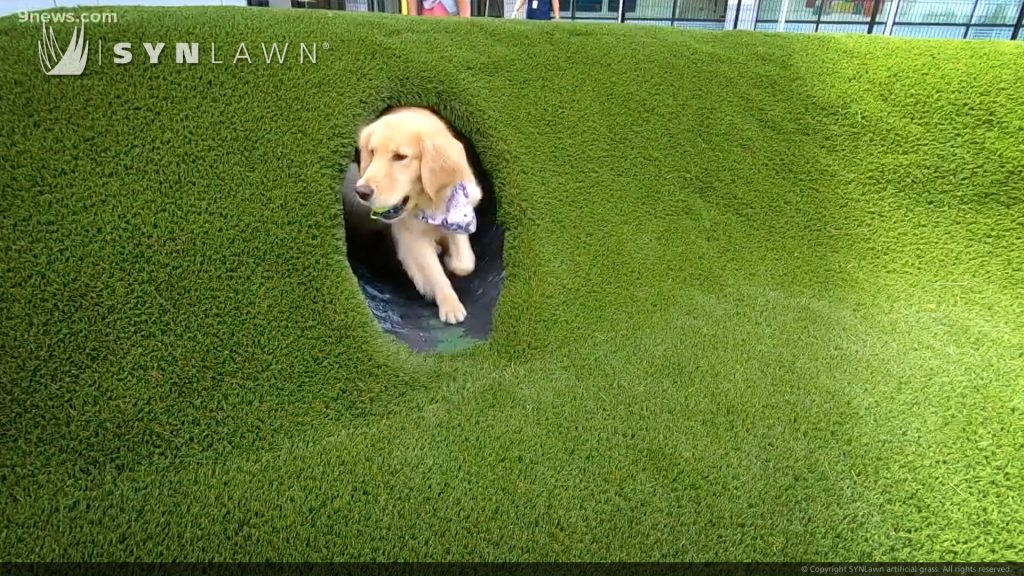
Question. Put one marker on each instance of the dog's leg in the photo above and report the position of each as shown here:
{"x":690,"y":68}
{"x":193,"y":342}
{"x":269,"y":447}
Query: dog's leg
{"x":410,"y":257}
{"x":419,"y":258}
{"x":460,"y":258}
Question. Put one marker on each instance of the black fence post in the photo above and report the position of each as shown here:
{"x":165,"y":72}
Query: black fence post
{"x":821,"y":10}
{"x":672,"y":16}
{"x":874,"y":15}
{"x":1020,"y":21}
{"x":967,"y":29}
{"x":736,"y":16}
{"x":622,"y":11}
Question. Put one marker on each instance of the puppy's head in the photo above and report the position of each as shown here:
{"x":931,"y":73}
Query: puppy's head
{"x":407,"y":159}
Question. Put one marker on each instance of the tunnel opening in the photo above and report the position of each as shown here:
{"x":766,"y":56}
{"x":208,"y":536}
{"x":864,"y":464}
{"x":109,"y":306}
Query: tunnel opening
{"x":391,"y":296}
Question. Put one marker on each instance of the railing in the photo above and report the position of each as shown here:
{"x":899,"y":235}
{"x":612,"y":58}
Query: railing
{"x":964,"y":19}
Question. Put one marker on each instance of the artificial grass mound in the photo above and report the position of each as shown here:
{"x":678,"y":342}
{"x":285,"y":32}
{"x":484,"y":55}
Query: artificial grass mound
{"x":763,"y":299}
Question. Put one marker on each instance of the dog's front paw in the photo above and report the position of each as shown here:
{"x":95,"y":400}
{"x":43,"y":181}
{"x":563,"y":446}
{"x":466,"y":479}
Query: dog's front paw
{"x":451,"y":310}
{"x":460,"y":263}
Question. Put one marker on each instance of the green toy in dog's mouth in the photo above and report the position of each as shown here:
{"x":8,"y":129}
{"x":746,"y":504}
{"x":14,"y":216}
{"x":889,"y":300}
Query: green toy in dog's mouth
{"x":391,"y":213}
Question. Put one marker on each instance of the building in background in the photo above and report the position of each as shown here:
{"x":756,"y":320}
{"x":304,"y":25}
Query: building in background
{"x":965,"y":19}
{"x":478,"y":7}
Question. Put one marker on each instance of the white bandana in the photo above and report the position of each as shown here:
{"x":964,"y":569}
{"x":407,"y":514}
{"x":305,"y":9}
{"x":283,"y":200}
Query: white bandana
{"x":457,"y":215}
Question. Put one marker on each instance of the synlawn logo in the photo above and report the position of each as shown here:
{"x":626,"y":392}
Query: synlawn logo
{"x":72,"y":60}
{"x":69,"y":62}
{"x":189,"y":53}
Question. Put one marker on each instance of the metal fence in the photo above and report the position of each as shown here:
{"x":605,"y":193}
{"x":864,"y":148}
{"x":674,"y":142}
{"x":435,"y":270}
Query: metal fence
{"x":964,"y":19}
{"x":967,"y":19}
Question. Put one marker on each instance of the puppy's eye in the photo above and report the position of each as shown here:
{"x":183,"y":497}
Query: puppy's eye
{"x":398,"y":157}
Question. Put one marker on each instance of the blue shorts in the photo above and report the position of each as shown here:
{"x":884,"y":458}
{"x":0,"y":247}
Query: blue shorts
{"x":538,"y":9}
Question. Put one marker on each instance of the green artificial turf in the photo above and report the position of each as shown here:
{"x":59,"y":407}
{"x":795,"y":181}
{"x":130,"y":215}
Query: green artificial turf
{"x":764,"y":298}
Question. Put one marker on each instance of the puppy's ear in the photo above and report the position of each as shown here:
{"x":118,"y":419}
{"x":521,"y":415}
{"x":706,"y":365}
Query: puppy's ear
{"x":364,"y":148}
{"x":442,"y":165}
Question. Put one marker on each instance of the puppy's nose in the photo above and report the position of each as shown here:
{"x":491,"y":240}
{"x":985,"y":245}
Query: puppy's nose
{"x":364,"y":192}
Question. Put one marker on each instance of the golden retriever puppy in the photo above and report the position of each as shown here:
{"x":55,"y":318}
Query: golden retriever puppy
{"x":415,"y":177}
